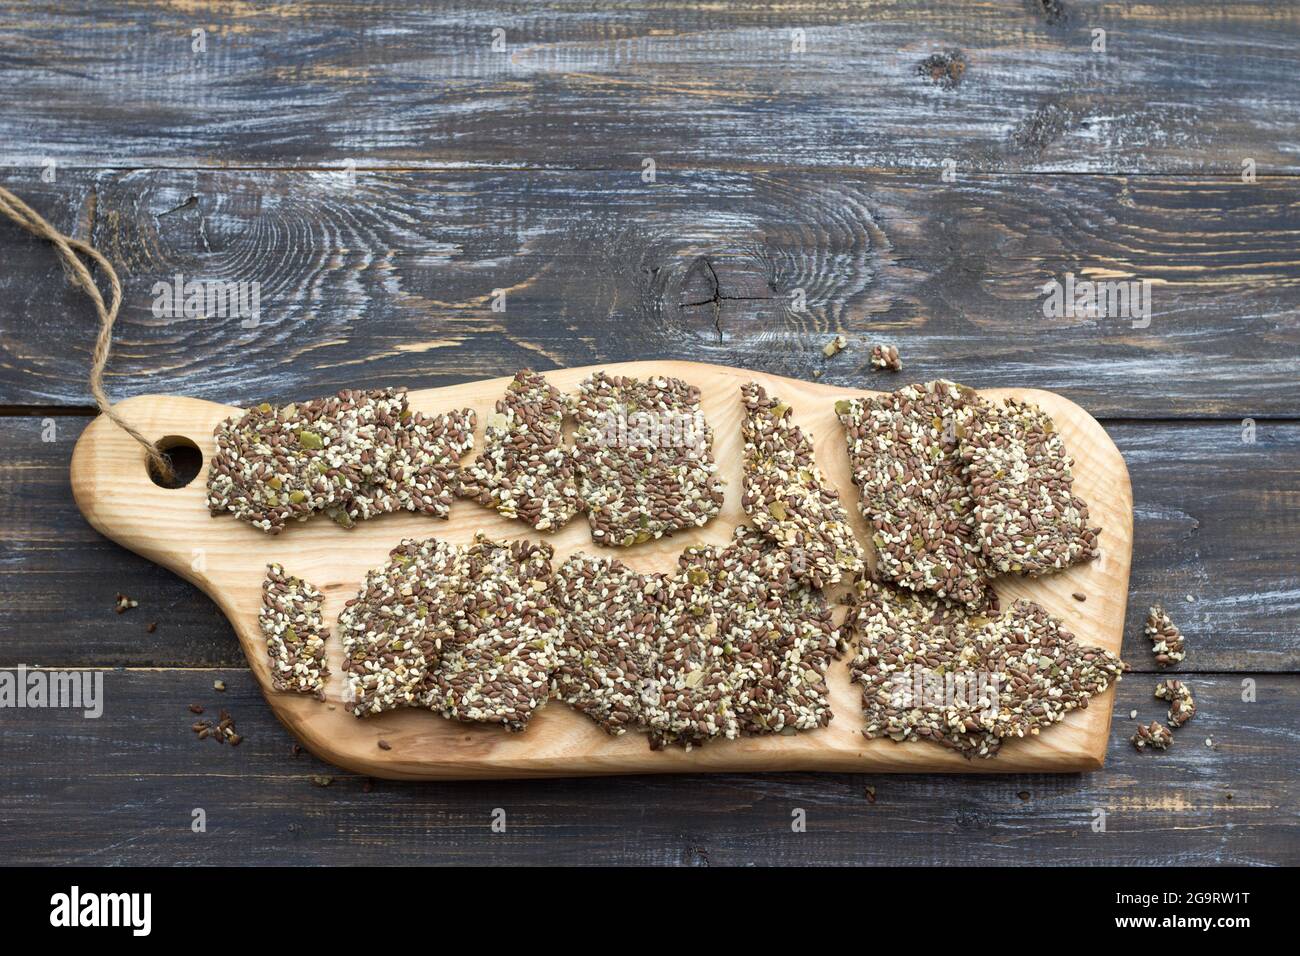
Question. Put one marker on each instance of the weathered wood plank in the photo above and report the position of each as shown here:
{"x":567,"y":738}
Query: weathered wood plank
{"x":1188,"y":85}
{"x":122,"y":791}
{"x":432,"y":278}
{"x":1201,"y":494}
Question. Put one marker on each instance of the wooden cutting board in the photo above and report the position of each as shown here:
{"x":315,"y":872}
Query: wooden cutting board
{"x":227,"y":559}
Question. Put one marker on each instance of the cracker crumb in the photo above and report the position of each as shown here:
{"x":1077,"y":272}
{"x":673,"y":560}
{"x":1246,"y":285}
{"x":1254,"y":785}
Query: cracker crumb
{"x":1167,"y":641}
{"x":1154,"y":735}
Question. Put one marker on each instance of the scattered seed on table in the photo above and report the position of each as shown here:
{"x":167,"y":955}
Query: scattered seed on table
{"x":295,"y":633}
{"x":122,"y":604}
{"x":1182,"y":707}
{"x":835,"y":346}
{"x":1167,"y":641}
{"x":219,"y":685}
{"x":788,"y":498}
{"x":525,"y":471}
{"x":644,"y":455}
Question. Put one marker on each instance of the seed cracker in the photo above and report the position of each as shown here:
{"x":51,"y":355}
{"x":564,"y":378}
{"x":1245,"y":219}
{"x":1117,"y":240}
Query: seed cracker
{"x":930,"y":670}
{"x":279,"y":464}
{"x":907,"y":646}
{"x":1167,"y":641}
{"x":788,"y":498}
{"x":603,"y":640}
{"x":397,"y":627}
{"x":645,"y":458}
{"x":741,"y":647}
{"x":422,"y":469}
{"x":1182,"y":707}
{"x":525,"y":470}
{"x":1021,"y":479}
{"x":692,"y":685}
{"x":779,"y":630}
{"x":902,"y":447}
{"x":295,"y":633}
{"x":497,"y":667}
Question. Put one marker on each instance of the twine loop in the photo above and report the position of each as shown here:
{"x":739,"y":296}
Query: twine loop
{"x":68,"y":248}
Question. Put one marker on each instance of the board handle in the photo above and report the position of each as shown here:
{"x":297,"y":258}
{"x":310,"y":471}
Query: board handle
{"x":116,"y":490}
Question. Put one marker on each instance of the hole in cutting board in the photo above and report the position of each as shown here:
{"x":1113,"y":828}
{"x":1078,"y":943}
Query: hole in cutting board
{"x":186,"y":459}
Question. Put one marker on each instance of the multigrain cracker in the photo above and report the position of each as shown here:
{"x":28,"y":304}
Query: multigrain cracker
{"x":932,"y":671}
{"x":780,"y":632}
{"x":295,"y":633}
{"x":1021,"y":479}
{"x":1043,"y":673}
{"x":279,"y":464}
{"x":1167,"y":641}
{"x":497,"y":666}
{"x":788,"y":498}
{"x":693,"y":681}
{"x":1182,"y":707}
{"x":525,"y":471}
{"x":645,"y":458}
{"x":742,"y":646}
{"x":603,"y":642}
{"x":1154,"y":735}
{"x":908,"y":645}
{"x":902,"y":447}
{"x":421,"y":471}
{"x":395,"y":629}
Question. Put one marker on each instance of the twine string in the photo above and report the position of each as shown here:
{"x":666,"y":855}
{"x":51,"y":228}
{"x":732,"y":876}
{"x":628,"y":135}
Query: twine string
{"x":68,"y":248}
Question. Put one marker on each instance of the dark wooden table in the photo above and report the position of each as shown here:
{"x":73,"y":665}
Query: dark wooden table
{"x":381,"y":170}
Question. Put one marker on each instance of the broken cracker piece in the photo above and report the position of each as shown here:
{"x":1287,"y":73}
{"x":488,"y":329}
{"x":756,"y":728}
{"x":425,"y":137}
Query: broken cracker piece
{"x":395,"y":629}
{"x":525,"y":471}
{"x":1021,"y":481}
{"x":603,"y":655}
{"x":422,"y":468}
{"x":278,"y":464}
{"x":902,"y":448}
{"x":295,"y":633}
{"x":788,"y":498}
{"x":931,"y":670}
{"x":644,"y":455}
{"x":496,"y":668}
